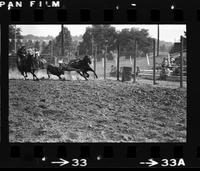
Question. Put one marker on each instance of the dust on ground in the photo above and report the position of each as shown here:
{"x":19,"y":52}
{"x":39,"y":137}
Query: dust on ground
{"x":95,"y":111}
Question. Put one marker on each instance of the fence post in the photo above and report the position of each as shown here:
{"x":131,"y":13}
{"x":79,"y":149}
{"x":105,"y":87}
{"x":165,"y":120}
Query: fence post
{"x":62,"y":40}
{"x":158,"y":40}
{"x":51,"y":47}
{"x":92,"y":44}
{"x":105,"y":56}
{"x":154,"y":62}
{"x":181,"y":63}
{"x":15,"y":40}
{"x":118,"y":51}
{"x":134,"y":68}
{"x":95,"y":56}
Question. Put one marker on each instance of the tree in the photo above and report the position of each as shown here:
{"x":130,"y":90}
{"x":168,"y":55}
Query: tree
{"x":55,"y":44}
{"x":99,"y":35}
{"x":143,"y":40}
{"x":37,"y":45}
{"x":43,"y":46}
{"x":12,"y":32}
{"x":127,"y":39}
{"x":67,"y":42}
{"x":102,"y":35}
{"x":47,"y":48}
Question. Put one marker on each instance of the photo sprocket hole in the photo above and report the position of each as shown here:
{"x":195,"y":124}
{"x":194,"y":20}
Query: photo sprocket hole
{"x":15,"y":152}
{"x":108,"y":152}
{"x":38,"y":151}
{"x":85,"y":15}
{"x":155,"y":15}
{"x":178,"y":152}
{"x":178,"y":15}
{"x":198,"y":14}
{"x":61,"y":151}
{"x":38,"y":15}
{"x":198,"y":152}
{"x":131,"y":15}
{"x":62,"y":15}
{"x":108,"y":15}
{"x":15,"y":15}
{"x":85,"y":152}
{"x":155,"y":152}
{"x":131,"y":152}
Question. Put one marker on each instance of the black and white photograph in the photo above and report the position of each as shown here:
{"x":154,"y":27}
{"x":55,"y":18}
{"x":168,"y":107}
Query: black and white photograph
{"x":77,"y":83}
{"x":0,"y":82}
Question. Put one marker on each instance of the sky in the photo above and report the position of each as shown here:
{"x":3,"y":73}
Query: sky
{"x":169,"y":33}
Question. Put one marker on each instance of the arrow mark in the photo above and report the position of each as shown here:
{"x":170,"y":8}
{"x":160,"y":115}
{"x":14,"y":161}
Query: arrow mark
{"x":62,"y":162}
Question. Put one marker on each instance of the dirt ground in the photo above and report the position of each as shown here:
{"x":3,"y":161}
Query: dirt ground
{"x":95,"y":111}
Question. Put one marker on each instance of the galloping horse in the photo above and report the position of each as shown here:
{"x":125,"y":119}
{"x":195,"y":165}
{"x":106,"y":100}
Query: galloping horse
{"x":28,"y":62}
{"x":81,"y":66}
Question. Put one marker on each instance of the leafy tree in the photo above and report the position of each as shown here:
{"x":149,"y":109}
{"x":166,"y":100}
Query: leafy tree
{"x":127,"y":39}
{"x":47,"y":48}
{"x":11,"y":35}
{"x":43,"y":46}
{"x":37,"y":45}
{"x":100,"y":35}
{"x":106,"y":35}
{"x":57,"y":43}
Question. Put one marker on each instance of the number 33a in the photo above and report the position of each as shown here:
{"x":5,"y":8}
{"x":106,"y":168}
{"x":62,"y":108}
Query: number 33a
{"x":172,"y":162}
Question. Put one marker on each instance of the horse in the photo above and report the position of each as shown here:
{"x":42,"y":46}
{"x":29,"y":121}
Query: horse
{"x":81,"y":66}
{"x":28,"y":62}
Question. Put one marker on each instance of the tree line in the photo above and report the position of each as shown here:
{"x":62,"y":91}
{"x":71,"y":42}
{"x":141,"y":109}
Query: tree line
{"x":102,"y":37}
{"x":96,"y":40}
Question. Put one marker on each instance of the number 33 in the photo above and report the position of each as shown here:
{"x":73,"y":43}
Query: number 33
{"x":81,"y":162}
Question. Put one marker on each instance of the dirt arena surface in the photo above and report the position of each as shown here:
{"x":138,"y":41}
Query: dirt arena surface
{"x":95,"y":111}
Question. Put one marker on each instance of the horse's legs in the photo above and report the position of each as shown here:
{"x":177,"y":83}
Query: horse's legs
{"x":48,"y":74}
{"x":59,"y":77}
{"x":34,"y":76}
{"x":24,"y":75}
{"x":87,"y":75}
{"x":90,"y":69}
{"x":82,"y":75}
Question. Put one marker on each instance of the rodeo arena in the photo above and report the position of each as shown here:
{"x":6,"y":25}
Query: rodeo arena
{"x":89,"y":97}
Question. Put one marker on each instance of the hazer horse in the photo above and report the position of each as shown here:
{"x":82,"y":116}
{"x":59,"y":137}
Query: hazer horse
{"x":81,"y":66}
{"x":28,"y":62}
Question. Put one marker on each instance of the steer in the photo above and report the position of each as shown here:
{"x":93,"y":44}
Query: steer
{"x":54,"y":70}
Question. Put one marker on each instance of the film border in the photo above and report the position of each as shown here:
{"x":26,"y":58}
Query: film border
{"x":118,"y":155}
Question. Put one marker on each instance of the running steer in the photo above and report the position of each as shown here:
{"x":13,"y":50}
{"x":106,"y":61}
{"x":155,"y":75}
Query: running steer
{"x":54,"y":70}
